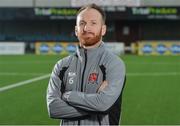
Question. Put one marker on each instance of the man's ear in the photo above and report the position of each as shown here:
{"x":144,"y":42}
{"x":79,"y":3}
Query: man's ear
{"x":76,"y":30}
{"x":103,"y":30}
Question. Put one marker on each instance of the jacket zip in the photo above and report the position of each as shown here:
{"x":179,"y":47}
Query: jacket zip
{"x":82,"y":80}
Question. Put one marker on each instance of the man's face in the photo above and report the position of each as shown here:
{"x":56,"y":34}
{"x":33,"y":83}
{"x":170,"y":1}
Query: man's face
{"x":89,"y":27}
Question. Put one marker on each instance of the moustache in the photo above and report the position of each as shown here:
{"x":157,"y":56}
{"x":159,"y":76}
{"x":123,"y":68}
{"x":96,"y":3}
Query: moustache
{"x":84,"y":33}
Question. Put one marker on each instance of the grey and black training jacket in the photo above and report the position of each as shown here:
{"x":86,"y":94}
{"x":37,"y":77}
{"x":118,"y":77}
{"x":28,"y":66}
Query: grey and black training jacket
{"x":72,"y":91}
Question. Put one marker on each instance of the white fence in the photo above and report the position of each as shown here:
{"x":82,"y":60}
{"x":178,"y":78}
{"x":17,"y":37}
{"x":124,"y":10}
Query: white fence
{"x":12,"y":48}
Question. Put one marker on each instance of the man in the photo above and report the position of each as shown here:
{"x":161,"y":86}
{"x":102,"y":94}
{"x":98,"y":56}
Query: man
{"x":86,"y":87}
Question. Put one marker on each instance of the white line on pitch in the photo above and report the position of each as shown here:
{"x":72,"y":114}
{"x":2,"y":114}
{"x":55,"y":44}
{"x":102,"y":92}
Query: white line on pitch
{"x":154,"y":63}
{"x":20,"y":74}
{"x":155,"y":74}
{"x":129,"y":74}
{"x":24,"y":82}
{"x":26,"y":62}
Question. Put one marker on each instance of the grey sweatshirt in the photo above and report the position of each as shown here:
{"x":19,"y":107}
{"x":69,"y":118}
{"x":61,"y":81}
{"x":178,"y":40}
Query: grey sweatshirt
{"x":72,"y":91}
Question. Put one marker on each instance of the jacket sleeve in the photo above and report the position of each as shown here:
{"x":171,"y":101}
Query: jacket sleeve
{"x":57,"y":108}
{"x":103,"y":100}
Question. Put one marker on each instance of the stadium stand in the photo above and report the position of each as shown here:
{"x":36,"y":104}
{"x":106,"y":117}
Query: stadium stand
{"x":128,"y":21}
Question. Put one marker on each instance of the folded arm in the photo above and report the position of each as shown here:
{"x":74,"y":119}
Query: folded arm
{"x":57,"y":107}
{"x":104,"y":99}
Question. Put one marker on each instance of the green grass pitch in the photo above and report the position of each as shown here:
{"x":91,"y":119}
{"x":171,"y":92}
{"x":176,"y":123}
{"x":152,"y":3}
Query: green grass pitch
{"x":151,"y":94}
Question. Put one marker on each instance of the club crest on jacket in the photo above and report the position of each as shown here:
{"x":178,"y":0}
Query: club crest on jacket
{"x":93,"y":77}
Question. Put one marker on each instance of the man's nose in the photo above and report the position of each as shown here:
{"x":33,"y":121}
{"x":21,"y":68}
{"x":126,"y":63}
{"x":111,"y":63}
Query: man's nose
{"x":87,"y":27}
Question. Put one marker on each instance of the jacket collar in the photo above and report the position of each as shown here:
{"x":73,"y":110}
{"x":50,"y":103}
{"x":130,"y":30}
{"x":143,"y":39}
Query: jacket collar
{"x":80,"y":50}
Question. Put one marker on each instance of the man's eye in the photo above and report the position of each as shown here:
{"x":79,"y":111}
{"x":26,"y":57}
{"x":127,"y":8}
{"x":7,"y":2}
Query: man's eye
{"x":82,"y":23}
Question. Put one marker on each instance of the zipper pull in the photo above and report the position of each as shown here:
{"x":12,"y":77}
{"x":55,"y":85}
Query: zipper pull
{"x":85,"y":51}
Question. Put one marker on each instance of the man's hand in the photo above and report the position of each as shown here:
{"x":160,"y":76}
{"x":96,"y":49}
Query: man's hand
{"x":103,"y":85}
{"x":65,"y":96}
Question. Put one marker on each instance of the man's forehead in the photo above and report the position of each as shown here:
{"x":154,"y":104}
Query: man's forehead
{"x":91,"y":14}
{"x":84,"y":20}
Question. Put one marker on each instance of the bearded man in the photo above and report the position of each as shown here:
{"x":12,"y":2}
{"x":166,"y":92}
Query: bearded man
{"x":85,"y":88}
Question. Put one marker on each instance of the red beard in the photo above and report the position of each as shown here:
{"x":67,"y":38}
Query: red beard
{"x":89,"y":39}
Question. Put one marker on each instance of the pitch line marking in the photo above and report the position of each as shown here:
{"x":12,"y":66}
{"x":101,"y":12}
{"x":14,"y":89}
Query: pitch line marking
{"x":20,"y":74}
{"x":48,"y":75}
{"x":129,"y":74}
{"x":23,"y":82}
{"x":154,"y":74}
